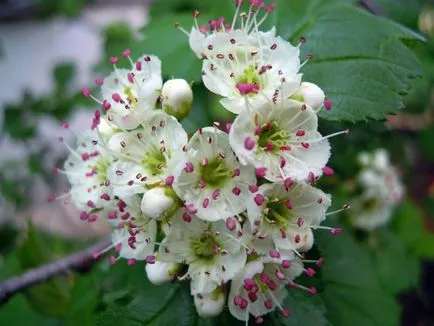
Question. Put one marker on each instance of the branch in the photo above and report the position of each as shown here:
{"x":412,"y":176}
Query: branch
{"x":371,"y":6}
{"x":77,"y":262}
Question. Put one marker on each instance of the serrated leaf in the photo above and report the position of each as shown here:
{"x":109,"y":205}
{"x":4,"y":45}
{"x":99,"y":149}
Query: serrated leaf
{"x":352,"y":291}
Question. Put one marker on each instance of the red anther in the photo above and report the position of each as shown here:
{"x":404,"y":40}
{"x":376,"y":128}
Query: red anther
{"x":105,"y":196}
{"x":253,"y":188}
{"x":215,"y":194}
{"x":126,"y":53}
{"x":236,"y":173}
{"x":131,"y":262}
{"x":328,"y":104}
{"x":272,"y":285}
{"x":259,"y":320}
{"x":64,"y":124}
{"x":300,"y":133}
{"x":320,"y":262}
{"x":90,"y":204}
{"x":247,"y":88}
{"x":112,"y":260}
{"x":305,"y":145}
{"x":92,"y":218}
{"x":249,"y":143}
{"x":114,"y":60}
{"x":202,"y":184}
{"x":282,"y":162}
{"x":99,"y":81}
{"x":228,"y":126}
{"x":286,"y":312}
{"x":261,"y":172}
{"x":236,"y":191}
{"x":190,"y":208}
{"x":286,"y":263}
{"x":280,"y":276}
{"x":287,"y":183}
{"x":116,"y":97}
{"x":269,"y":147}
{"x":285,"y":148}
{"x":268,"y":304}
{"x":189,"y":168}
{"x":328,"y":170}
{"x":205,"y":203}
{"x":138,"y":65}
{"x":186,"y":217}
{"x":244,"y":304}
{"x":312,"y":291}
{"x":150,"y":259}
{"x":300,"y":222}
{"x":125,"y":216}
{"x":302,"y":40}
{"x":252,"y":297}
{"x":112,"y":215}
{"x":169,"y":180}
{"x":106,"y":105}
{"x":264,"y":278}
{"x":231,"y":224}
{"x":297,"y":238}
{"x":86,"y":92}
{"x":248,"y":284}
{"x":84,"y":216}
{"x":238,"y":3}
{"x":310,"y":272}
{"x":288,"y":204}
{"x":336,"y":231}
{"x":259,"y":199}
{"x":238,"y":300}
{"x":51,"y":198}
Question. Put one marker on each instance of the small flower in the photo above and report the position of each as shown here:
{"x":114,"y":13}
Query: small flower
{"x":210,"y":304}
{"x":160,"y":272}
{"x":86,"y":169}
{"x":159,"y":203}
{"x":287,"y":214}
{"x":281,"y":139}
{"x":177,"y":98}
{"x":129,"y":94}
{"x":210,"y":180}
{"x":135,"y":235}
{"x":148,"y":155}
{"x":211,"y":250}
{"x":259,"y":288}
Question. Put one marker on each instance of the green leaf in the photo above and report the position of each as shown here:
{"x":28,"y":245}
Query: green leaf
{"x":397,"y":269}
{"x":18,"y":124}
{"x":63,"y":74}
{"x":50,"y":298}
{"x":352,"y":291}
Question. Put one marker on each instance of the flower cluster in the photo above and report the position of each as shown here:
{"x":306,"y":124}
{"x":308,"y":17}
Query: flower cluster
{"x":381,"y":190}
{"x":232,"y":207}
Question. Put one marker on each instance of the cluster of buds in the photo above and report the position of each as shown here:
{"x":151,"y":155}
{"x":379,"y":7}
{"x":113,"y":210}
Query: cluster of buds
{"x":232,"y":208}
{"x":381,"y":190}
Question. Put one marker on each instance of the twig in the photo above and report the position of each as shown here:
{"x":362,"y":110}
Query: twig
{"x":79,"y":262}
{"x":371,"y":6}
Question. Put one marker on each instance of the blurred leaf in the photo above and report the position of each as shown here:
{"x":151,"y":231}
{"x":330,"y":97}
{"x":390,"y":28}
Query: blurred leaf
{"x":50,"y":298}
{"x":352,"y":291}
{"x":426,"y":137}
{"x":397,"y":269}
{"x":8,"y":236}
{"x":63,"y":74}
{"x":17,"y":123}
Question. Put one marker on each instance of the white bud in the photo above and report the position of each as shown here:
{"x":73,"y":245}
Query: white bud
{"x":161,"y":272}
{"x":312,"y":95}
{"x":156,"y":202}
{"x":177,"y":98}
{"x":307,"y":240}
{"x":209,"y":304}
{"x":364,"y":159}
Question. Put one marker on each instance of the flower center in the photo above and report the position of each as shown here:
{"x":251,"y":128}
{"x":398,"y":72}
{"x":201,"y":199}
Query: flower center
{"x":371,"y":205}
{"x":277,"y":213}
{"x":154,"y":161}
{"x":248,"y":82}
{"x":132,"y":100}
{"x":272,"y":137}
{"x":215,"y":173}
{"x":206,"y":247}
{"x":99,"y":169}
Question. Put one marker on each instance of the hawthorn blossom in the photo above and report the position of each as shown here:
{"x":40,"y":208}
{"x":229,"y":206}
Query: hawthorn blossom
{"x":286,"y":212}
{"x":176,"y":98}
{"x":149,"y":154}
{"x":212,"y":251}
{"x":281,"y":141}
{"x":210,"y":180}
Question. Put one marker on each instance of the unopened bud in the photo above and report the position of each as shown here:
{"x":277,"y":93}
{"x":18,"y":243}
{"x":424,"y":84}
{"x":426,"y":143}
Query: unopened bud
{"x":177,"y":98}
{"x":161,"y":272}
{"x":310,"y":94}
{"x":210,"y":304}
{"x":159,"y":203}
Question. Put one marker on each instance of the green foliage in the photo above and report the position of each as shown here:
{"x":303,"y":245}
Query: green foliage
{"x":352,"y":291}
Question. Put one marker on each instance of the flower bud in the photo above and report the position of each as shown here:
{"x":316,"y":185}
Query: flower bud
{"x":159,"y":203}
{"x":106,"y":129}
{"x":381,"y":160}
{"x":177,"y":98}
{"x":210,"y":304}
{"x":307,"y":241}
{"x":310,"y":94}
{"x":161,"y":272}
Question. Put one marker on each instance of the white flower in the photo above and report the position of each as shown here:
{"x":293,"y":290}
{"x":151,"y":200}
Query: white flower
{"x":159,"y":203}
{"x":86,"y":169}
{"x":161,"y":272}
{"x":286,"y":212}
{"x":135,"y":236}
{"x":311,"y":95}
{"x":256,"y":69}
{"x":211,"y":250}
{"x":177,"y":98}
{"x":282,"y":140}
{"x":381,"y":190}
{"x":210,"y":304}
{"x":129,"y":94}
{"x":259,"y":288}
{"x":149,"y":155}
{"x":212,"y":183}
{"x":106,"y":128}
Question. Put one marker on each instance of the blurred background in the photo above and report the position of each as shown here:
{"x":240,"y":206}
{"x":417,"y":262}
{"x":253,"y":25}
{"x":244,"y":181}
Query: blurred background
{"x":50,"y":49}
